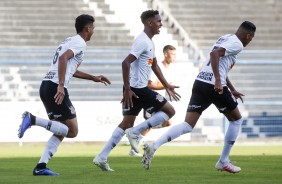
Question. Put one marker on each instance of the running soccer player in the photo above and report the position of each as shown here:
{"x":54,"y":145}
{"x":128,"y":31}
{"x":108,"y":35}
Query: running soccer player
{"x":212,"y":86}
{"x":168,"y":70}
{"x":54,"y":94}
{"x":136,"y":70}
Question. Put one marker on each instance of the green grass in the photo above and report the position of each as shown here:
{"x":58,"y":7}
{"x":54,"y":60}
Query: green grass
{"x":172,"y":164}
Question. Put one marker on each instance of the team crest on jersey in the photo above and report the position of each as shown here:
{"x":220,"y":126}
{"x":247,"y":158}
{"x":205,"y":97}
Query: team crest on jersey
{"x":160,"y":98}
{"x":150,"y":61}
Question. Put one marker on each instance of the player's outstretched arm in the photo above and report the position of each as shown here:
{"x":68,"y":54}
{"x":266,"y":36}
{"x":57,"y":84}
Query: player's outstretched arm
{"x":100,"y":78}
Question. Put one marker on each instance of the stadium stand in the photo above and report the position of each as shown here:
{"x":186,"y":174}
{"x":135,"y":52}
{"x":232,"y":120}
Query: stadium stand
{"x":257,"y":73}
{"x":31,"y":29}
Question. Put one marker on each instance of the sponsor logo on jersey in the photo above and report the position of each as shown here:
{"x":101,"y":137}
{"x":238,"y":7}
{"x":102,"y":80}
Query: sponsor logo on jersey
{"x":150,"y":61}
{"x":205,"y":76}
{"x":50,"y":75}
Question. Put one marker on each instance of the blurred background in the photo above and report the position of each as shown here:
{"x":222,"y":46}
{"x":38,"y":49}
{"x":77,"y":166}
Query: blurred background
{"x":31,"y":30}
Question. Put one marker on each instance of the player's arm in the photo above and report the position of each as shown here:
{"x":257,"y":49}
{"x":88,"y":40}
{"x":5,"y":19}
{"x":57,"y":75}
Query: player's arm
{"x":62,"y":66}
{"x":99,"y":78}
{"x":128,"y":93}
{"x":214,"y":60}
{"x":169,"y":88}
{"x":232,"y":89}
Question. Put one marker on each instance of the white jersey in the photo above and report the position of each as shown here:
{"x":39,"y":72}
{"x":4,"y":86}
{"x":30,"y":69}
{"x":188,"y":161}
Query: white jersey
{"x":169,"y":75}
{"x":232,"y":46}
{"x":75,"y":44}
{"x":143,"y":49}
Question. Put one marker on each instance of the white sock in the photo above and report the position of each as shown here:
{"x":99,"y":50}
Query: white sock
{"x":156,"y":119}
{"x":230,"y":138}
{"x":56,"y":127}
{"x":173,"y":133}
{"x":140,"y":140}
{"x":112,"y":142}
{"x":50,"y":149}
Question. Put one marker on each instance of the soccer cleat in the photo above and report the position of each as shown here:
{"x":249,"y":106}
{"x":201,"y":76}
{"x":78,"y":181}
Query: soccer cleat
{"x":229,"y":167}
{"x":44,"y":172}
{"x":26,"y":123}
{"x":104,"y":165}
{"x":133,"y":140}
{"x":148,"y":155}
{"x":134,"y":154}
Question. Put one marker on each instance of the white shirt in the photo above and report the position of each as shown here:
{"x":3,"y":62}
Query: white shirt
{"x":75,"y":44}
{"x":233,"y":46}
{"x":143,"y":49}
{"x":169,"y":75}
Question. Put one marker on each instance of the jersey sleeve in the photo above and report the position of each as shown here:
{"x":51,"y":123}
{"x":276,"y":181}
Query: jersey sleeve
{"x":232,"y":47}
{"x":138,"y":48}
{"x":77,"y":46}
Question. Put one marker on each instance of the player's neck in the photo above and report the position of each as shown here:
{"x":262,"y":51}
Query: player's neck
{"x":166,"y":64}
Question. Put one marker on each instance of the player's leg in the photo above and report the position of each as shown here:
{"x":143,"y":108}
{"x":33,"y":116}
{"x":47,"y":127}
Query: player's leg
{"x":62,"y":119}
{"x":199,"y":101}
{"x":29,"y":120}
{"x":56,"y":113}
{"x":227,"y":101}
{"x":164,"y":111}
{"x":174,"y":132}
{"x":129,"y":116}
{"x":147,"y":113}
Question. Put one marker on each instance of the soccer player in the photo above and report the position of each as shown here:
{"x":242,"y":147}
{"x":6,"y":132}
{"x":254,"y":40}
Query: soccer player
{"x":54,"y":94}
{"x":212,"y":86}
{"x":136,"y":70}
{"x":154,"y":83}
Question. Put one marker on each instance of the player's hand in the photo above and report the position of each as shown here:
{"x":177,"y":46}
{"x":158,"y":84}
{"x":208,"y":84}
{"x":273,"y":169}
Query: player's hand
{"x":171,"y":93}
{"x":59,"y":96}
{"x":218,"y":87}
{"x":101,"y":79}
{"x":237,"y":95}
{"x":127,"y":98}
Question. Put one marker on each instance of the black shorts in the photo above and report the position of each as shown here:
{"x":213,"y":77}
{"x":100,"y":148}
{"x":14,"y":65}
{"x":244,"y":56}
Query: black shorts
{"x":61,"y":112}
{"x":147,"y":99}
{"x":203,"y":95}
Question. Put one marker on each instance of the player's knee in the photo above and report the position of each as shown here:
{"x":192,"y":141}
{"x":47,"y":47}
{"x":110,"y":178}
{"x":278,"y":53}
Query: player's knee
{"x":72,"y":134}
{"x":171,"y":112}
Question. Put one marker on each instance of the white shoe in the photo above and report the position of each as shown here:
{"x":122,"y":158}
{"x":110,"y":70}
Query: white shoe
{"x":148,"y":155}
{"x":229,"y":167}
{"x":104,"y":165}
{"x":134,"y":154}
{"x":133,"y":140}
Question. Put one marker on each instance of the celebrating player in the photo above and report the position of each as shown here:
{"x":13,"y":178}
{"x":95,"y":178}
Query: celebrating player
{"x":54,"y":94}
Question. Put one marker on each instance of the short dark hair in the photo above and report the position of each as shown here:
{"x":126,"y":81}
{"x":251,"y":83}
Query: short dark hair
{"x":247,"y":25}
{"x":148,"y":14}
{"x":168,"y":47}
{"x":83,"y":20}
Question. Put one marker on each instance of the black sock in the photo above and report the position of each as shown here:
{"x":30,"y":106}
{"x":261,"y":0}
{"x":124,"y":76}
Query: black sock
{"x":32,"y":117}
{"x":41,"y":165}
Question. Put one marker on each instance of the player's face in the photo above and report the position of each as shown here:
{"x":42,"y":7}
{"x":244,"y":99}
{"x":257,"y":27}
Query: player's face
{"x":156,"y":24}
{"x":248,"y":39}
{"x":90,"y":29}
{"x":170,"y":56}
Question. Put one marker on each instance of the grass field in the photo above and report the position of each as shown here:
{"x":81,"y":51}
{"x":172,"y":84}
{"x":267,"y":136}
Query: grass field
{"x":172,"y":164}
